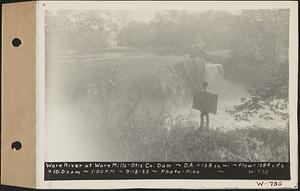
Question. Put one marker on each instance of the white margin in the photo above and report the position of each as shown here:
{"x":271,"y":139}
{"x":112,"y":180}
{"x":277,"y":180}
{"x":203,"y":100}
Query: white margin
{"x":166,"y":5}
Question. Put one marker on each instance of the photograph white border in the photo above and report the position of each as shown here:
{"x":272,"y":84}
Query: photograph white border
{"x":165,"y":5}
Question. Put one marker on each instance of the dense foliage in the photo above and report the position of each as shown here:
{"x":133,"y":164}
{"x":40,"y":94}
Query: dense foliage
{"x":80,"y":31}
{"x":261,"y":47}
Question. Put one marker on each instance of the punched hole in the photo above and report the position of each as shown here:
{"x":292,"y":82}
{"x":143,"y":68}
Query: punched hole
{"x":16,"y":145}
{"x":16,"y":42}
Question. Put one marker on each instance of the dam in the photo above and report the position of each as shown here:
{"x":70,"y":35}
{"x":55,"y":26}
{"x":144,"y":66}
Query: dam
{"x":104,"y":96}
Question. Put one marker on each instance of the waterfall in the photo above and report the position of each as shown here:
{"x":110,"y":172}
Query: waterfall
{"x":218,"y":84}
{"x":94,"y":99}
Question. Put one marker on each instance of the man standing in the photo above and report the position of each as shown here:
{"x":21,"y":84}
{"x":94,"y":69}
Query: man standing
{"x":204,"y":112}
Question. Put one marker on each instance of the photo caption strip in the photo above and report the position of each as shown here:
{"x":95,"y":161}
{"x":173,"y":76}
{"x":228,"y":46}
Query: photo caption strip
{"x":166,"y":170}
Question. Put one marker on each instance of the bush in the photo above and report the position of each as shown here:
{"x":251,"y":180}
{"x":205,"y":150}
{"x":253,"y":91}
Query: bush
{"x":161,"y":137}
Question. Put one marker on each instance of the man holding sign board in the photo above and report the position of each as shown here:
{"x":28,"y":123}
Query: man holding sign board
{"x":205,"y":102}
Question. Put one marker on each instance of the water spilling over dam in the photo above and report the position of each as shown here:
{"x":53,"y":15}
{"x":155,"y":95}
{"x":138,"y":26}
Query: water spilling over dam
{"x":97,"y":96}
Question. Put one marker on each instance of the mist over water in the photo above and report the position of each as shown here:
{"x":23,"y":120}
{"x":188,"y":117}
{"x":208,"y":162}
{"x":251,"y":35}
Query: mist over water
{"x":87,"y":96}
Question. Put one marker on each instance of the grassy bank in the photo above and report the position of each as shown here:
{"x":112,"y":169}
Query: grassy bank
{"x":155,"y":138}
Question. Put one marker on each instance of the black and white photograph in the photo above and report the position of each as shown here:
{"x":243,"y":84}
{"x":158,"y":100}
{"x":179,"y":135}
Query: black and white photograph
{"x":167,"y":85}
{"x":167,"y":90}
{"x":149,"y":94}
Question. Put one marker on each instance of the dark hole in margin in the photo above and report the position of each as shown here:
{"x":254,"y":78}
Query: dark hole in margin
{"x":16,"y":42}
{"x":16,"y":145}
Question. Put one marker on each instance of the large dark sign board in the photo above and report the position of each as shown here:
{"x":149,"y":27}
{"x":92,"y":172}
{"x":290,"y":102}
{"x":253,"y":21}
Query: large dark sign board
{"x":205,"y":101}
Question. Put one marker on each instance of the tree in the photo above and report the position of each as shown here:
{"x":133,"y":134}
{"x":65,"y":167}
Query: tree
{"x":260,"y":41}
{"x":262,"y":50}
{"x":136,"y":34}
{"x":84,"y":31}
{"x":180,"y":30}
